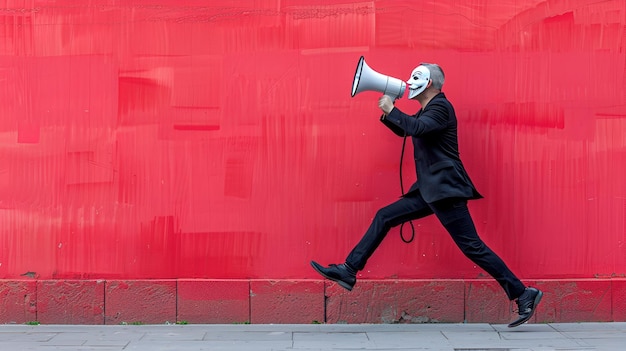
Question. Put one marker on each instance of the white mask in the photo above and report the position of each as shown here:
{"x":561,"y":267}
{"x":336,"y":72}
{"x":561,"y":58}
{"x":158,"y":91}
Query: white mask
{"x":418,"y":81}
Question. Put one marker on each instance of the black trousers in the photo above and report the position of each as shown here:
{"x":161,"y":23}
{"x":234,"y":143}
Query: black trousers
{"x":455,"y":217}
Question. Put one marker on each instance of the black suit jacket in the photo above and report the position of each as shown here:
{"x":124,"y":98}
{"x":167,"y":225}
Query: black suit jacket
{"x":433,"y":130}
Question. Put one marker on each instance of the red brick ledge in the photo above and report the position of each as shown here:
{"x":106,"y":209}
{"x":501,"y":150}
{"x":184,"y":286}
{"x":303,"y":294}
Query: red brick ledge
{"x":300,"y":301}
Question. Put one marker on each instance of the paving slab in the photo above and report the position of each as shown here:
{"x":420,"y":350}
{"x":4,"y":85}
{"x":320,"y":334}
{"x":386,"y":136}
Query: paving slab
{"x":312,"y":337}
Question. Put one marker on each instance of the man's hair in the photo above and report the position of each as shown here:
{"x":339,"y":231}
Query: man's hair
{"x":436,"y":74}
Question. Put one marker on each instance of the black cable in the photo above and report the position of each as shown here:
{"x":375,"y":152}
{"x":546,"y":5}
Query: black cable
{"x":402,"y":190}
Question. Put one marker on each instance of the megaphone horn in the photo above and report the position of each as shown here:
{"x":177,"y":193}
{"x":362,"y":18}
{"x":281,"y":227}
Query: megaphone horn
{"x":366,"y":79}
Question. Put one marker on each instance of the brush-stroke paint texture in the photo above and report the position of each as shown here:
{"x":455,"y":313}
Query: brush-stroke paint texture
{"x":218,"y":139}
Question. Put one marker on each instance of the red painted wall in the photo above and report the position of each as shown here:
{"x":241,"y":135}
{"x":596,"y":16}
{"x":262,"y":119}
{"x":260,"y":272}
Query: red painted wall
{"x":218,"y":139}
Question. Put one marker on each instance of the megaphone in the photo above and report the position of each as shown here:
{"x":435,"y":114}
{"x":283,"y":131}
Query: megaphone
{"x":366,"y":79}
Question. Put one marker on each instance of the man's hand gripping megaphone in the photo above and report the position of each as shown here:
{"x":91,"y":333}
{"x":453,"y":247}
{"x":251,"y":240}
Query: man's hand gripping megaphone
{"x":386,"y":104}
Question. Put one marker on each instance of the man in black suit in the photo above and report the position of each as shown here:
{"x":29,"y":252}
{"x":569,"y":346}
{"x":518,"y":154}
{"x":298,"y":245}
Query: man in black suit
{"x":443,"y":188}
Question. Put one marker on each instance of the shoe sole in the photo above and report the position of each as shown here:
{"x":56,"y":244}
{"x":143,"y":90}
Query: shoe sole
{"x":532,"y":312}
{"x":340,"y":282}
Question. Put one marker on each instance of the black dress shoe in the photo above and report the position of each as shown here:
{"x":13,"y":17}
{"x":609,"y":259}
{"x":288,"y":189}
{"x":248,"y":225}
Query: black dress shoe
{"x":340,"y":273}
{"x":527,"y":304}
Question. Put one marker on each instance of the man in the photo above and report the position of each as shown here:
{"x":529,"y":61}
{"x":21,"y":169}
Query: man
{"x":443,"y":188}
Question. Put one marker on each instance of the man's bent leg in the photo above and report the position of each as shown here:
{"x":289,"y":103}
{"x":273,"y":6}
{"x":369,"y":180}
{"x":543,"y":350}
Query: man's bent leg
{"x":405,"y":209}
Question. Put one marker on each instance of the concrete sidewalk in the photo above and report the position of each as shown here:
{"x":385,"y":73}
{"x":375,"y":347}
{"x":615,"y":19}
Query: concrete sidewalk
{"x":451,"y":337}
